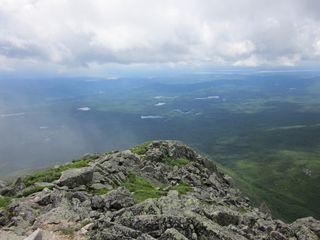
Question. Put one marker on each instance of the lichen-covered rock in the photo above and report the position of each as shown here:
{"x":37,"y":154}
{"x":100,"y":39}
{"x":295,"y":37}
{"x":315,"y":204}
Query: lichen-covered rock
{"x":97,"y":203}
{"x":172,"y":234}
{"x":118,"y":199}
{"x":225,"y":217}
{"x":274,"y":235}
{"x":76,"y":177}
{"x":309,"y":222}
{"x":43,"y":199}
{"x":4,"y":217}
{"x":12,"y":189}
{"x":36,"y":235}
{"x":3,"y":184}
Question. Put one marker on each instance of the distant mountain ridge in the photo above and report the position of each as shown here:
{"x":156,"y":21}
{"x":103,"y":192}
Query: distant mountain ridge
{"x":156,"y":190}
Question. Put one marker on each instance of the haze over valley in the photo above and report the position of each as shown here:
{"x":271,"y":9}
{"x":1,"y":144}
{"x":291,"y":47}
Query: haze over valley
{"x":263,"y":128}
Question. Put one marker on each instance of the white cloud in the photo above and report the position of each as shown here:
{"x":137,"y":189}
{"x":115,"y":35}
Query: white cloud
{"x":251,"y":61}
{"x":71,"y":34}
{"x":317,"y":47}
{"x":5,"y":64}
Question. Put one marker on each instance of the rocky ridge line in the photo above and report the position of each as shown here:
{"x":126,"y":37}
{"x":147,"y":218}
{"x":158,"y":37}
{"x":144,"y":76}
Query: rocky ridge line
{"x":158,"y":190}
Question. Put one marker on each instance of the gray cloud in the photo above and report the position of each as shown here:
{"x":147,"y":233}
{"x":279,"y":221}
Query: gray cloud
{"x":78,"y":33}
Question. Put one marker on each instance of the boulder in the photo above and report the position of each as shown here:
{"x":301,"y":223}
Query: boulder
{"x":274,"y":235}
{"x":3,"y":184}
{"x":76,"y":177}
{"x":36,"y":235}
{"x":99,"y":186}
{"x":4,"y":218}
{"x":119,"y":198}
{"x":172,"y":234}
{"x":84,"y":230}
{"x":13,"y":189}
{"x":98,"y":203}
{"x":43,"y":199}
{"x":82,"y":196}
{"x":308,"y":222}
{"x":226,"y":217}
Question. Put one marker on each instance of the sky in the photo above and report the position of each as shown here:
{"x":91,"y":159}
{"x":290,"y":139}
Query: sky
{"x":96,"y":36}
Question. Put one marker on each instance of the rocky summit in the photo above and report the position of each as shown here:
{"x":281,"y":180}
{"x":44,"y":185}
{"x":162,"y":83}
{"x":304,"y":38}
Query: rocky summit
{"x":156,"y":190}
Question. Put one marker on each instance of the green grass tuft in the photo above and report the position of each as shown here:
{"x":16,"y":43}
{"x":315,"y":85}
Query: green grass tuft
{"x":242,"y":210}
{"x":100,"y":191}
{"x":51,"y":174}
{"x":140,"y":149}
{"x":176,"y":162}
{"x":182,"y":188}
{"x":141,"y":188}
{"x":4,"y":202}
{"x":32,"y":190}
{"x":74,"y":164}
{"x":46,"y":175}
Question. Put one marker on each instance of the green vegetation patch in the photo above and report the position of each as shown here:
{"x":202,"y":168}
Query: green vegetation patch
{"x":74,"y":164}
{"x":100,"y":191}
{"x":176,"y":162}
{"x":142,"y":189}
{"x":263,"y":182}
{"x":68,"y":231}
{"x":242,"y":210}
{"x":46,"y":175}
{"x":182,"y":188}
{"x":31,"y":190}
{"x":51,"y":174}
{"x":5,"y":201}
{"x":140,"y":149}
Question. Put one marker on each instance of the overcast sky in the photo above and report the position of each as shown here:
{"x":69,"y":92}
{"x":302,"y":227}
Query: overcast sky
{"x":79,"y":35}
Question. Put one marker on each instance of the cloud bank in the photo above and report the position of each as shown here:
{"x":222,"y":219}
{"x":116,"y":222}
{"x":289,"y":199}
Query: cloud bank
{"x":75,"y":34}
